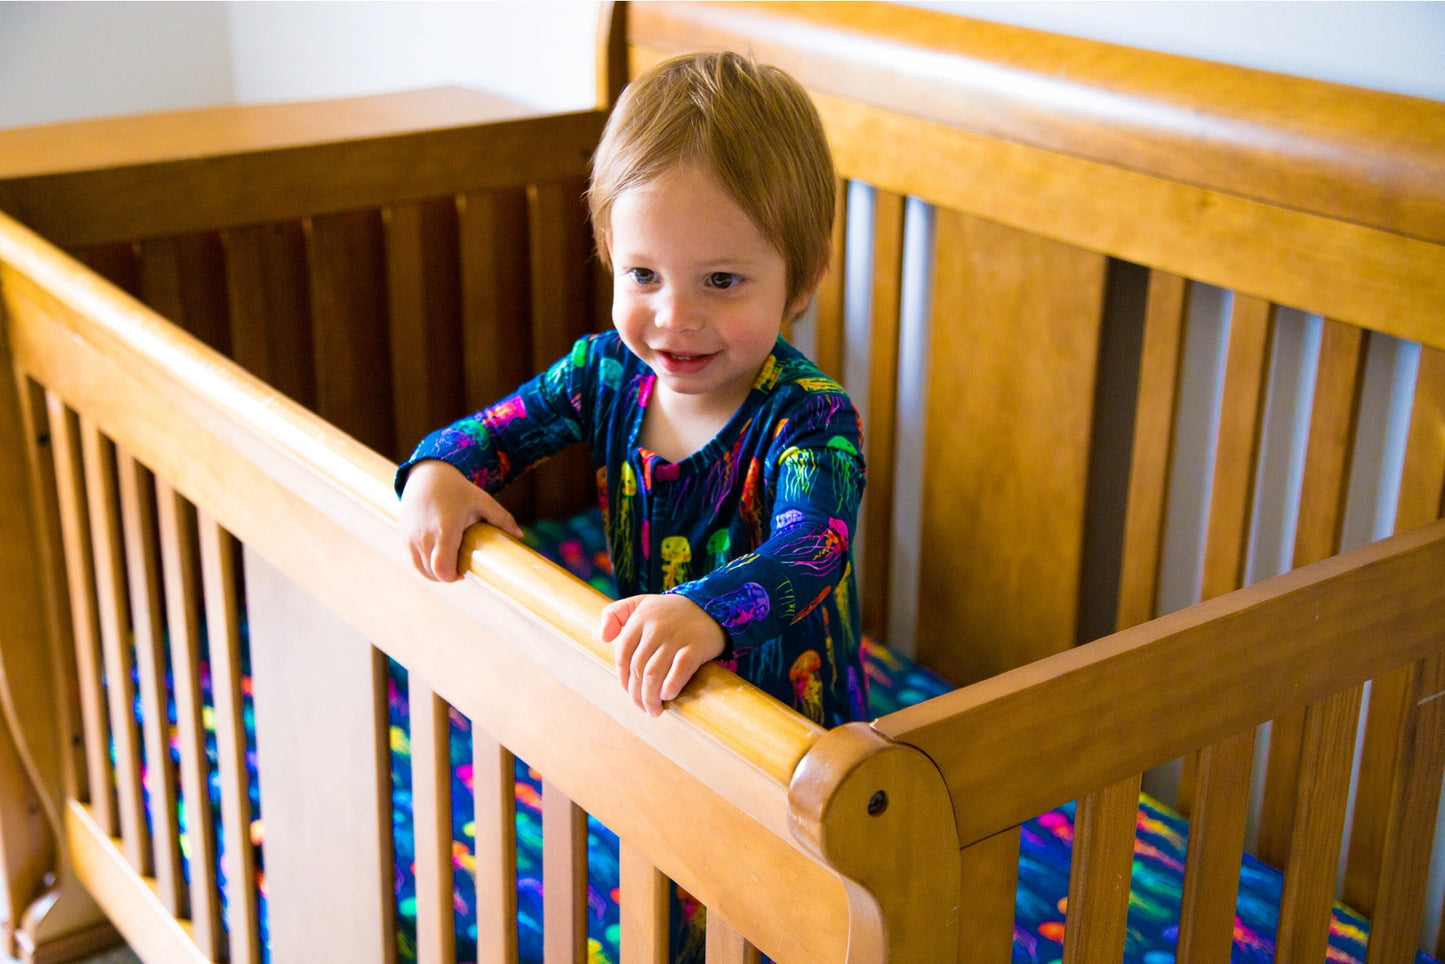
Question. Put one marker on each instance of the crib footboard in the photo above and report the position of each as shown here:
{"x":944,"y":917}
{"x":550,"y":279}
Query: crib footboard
{"x":1188,"y":685}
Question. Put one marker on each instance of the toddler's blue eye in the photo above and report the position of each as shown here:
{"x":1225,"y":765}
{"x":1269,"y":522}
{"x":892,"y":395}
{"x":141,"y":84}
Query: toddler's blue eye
{"x":642,"y":276}
{"x":722,"y":279}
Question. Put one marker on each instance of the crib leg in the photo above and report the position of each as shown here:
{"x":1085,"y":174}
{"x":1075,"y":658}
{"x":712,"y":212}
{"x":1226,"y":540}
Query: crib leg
{"x":65,"y":924}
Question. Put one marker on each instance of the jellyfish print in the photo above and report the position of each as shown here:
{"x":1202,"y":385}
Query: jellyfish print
{"x":623,"y":562}
{"x":786,"y":519}
{"x":807,"y":687}
{"x":718,"y":545}
{"x":844,"y":455}
{"x":751,"y":502}
{"x":676,"y":559}
{"x":504,"y":413}
{"x":820,"y":549}
{"x":745,"y":605}
{"x":797,"y":473}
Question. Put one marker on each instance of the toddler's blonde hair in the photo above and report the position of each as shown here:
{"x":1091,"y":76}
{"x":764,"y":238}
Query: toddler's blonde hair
{"x":751,"y":125}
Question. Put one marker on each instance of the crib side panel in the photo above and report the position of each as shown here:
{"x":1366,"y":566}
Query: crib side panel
{"x":521,"y":670}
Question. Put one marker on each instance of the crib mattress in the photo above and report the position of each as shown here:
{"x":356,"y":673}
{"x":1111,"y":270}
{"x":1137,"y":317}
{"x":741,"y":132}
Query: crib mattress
{"x":895,"y":682}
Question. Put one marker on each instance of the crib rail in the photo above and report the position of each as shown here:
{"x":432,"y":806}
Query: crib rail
{"x":515,"y":651}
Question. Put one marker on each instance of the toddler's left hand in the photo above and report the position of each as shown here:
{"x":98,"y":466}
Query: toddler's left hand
{"x":659,"y":642}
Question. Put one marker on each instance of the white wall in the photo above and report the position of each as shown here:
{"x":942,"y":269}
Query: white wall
{"x":540,"y":53}
{"x":1393,"y":45}
{"x":65,"y":61}
{"x":61,"y":61}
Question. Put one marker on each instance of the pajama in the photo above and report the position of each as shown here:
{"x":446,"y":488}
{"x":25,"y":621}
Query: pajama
{"x":756,"y":527}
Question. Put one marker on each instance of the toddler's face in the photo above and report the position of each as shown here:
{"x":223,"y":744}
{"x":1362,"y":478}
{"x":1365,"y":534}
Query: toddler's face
{"x":699,"y":294}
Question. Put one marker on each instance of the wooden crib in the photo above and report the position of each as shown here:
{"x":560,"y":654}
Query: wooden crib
{"x":341,"y":277}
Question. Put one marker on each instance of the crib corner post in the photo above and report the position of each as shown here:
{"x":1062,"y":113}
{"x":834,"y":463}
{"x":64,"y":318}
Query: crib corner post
{"x":879,"y":813}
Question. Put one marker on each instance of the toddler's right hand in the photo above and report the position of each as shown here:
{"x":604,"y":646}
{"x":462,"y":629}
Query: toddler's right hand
{"x":438,"y":503}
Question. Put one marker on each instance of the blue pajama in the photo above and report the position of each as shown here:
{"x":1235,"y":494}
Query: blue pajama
{"x":756,"y":527}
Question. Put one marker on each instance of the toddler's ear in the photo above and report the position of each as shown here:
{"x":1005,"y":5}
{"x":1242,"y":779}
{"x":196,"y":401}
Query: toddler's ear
{"x":799,"y":304}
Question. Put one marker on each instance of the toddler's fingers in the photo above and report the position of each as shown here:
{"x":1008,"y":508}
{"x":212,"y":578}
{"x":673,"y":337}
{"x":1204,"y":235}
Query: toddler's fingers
{"x":654,"y":677}
{"x":683,"y":668}
{"x":614,"y":622}
{"x":444,"y":560}
{"x":503,"y":520}
{"x":419,"y":560}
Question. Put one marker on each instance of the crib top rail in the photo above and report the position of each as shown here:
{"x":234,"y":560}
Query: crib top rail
{"x":1355,"y":154}
{"x":105,"y":181}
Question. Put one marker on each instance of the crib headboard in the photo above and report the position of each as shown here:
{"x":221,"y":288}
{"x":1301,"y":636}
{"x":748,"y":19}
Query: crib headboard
{"x":1086,"y":198}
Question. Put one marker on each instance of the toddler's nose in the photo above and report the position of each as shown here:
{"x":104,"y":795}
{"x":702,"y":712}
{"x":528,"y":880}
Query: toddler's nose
{"x":676,"y":312}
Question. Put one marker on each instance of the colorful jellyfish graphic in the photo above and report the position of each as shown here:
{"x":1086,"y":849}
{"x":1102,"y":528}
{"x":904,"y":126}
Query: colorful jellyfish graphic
{"x":845,"y":473}
{"x":676,"y":561}
{"x":718,"y":545}
{"x":798,"y":471}
{"x":623,"y":561}
{"x":807,"y":687}
{"x":744,"y":606}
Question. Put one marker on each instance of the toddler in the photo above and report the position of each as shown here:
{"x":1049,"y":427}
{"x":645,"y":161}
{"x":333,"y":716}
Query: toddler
{"x":728,"y":465}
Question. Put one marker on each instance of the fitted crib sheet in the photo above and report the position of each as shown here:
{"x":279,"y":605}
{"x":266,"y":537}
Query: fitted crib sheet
{"x":894,"y":682}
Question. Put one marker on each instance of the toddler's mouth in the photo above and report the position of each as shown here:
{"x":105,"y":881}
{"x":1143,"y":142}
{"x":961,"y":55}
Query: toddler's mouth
{"x":683,"y":362}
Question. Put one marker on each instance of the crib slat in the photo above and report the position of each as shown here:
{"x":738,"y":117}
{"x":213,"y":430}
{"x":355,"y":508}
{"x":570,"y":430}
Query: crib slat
{"x":881,"y":424}
{"x":266,"y":284}
{"x":1405,"y":864}
{"x":1017,"y":306}
{"x":178,"y":556}
{"x":139,"y":527}
{"x":431,"y":801}
{"x":1104,"y":827}
{"x":725,"y":945}
{"x":496,"y":310}
{"x":218,"y":572}
{"x":494,"y":796}
{"x":346,"y":256}
{"x":564,"y":877}
{"x":496,"y":294}
{"x":1422,"y":492}
{"x":1159,"y":368}
{"x":1241,"y":411}
{"x":84,"y":613}
{"x":1331,"y":439}
{"x":561,"y":313}
{"x":644,"y":908}
{"x":99,"y":456}
{"x":1326,"y":758}
{"x":184,"y":279}
{"x":989,"y":875}
{"x":1216,"y":848}
{"x":828,"y":335}
{"x":425,"y":308}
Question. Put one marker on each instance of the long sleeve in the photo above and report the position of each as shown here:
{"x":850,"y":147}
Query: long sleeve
{"x":500,"y":443}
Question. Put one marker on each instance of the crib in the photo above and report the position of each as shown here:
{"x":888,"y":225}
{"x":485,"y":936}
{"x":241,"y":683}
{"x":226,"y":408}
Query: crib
{"x":224,"y":327}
